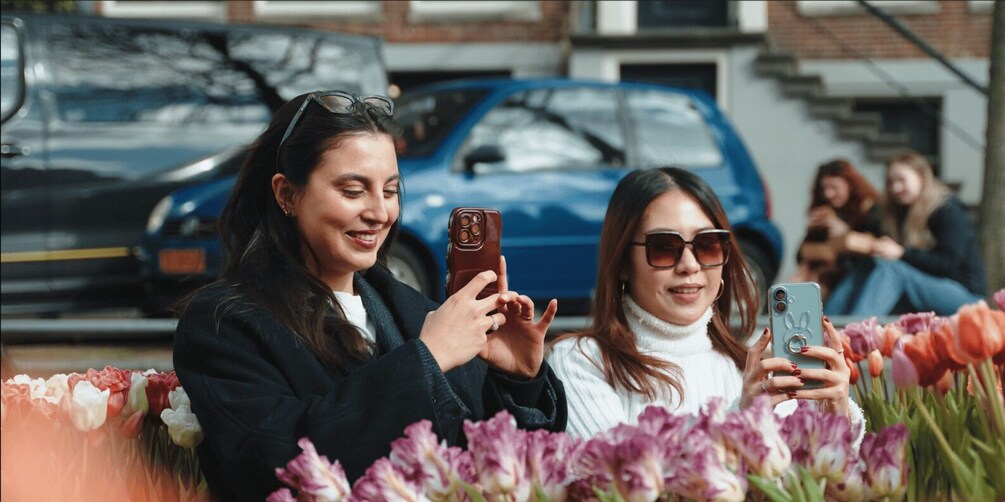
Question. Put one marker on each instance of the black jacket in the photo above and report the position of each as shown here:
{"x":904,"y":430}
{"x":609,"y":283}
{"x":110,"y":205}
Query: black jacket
{"x":957,"y":253}
{"x":256,"y":390}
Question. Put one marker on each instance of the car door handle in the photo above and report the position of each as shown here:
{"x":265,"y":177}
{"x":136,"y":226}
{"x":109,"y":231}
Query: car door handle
{"x":10,"y":150}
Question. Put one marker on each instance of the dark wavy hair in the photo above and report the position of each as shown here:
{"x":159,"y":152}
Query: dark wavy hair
{"x":262,"y":245}
{"x":861,"y":194}
{"x":624,"y":366}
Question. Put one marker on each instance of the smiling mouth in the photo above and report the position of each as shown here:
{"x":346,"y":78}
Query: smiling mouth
{"x":686,"y":290}
{"x":365,"y":237}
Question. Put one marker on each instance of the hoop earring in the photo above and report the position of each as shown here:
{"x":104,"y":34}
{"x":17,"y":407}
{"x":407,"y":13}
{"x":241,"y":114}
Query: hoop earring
{"x":722,"y":286}
{"x":623,"y":288}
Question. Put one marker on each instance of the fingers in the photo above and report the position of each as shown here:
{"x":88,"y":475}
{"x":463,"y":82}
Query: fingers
{"x":549,"y":313}
{"x":495,"y":321}
{"x":757,"y":349}
{"x":503,"y":280}
{"x":477,"y":284}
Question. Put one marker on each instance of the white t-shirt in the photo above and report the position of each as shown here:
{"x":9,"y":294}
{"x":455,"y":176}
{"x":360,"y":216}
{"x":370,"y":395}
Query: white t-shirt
{"x":355,"y":313}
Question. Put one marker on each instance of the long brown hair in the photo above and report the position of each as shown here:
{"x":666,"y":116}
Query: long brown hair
{"x":908,"y":225}
{"x":624,"y":366}
{"x":861,"y":194}
{"x":264,"y":263}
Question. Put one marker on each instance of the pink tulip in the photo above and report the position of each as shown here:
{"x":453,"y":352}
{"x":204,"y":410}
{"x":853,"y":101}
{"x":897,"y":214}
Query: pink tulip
{"x":820,"y":441}
{"x":863,"y":338}
{"x":383,"y":481}
{"x":281,"y":495}
{"x":755,"y":434}
{"x":999,"y":298}
{"x":851,"y":488}
{"x":700,"y":473}
{"x":313,"y":476}
{"x":885,"y":457}
{"x":499,"y":450}
{"x":431,"y":464}
{"x":905,"y":375}
{"x":875,"y":363}
{"x":916,"y":322}
{"x":550,"y":459}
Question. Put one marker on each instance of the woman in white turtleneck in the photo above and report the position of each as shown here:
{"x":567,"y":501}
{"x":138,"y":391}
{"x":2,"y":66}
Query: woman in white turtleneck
{"x":669,"y":277}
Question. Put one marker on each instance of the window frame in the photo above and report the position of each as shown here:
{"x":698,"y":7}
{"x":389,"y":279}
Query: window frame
{"x":19,"y":99}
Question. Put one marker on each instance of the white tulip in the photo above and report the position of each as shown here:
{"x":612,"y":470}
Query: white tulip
{"x":88,"y":406}
{"x":137,"y":399}
{"x":183,"y":426}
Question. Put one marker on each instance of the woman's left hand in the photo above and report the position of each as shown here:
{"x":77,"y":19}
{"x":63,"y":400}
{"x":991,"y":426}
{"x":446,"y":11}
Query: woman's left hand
{"x":833,"y":390}
{"x":517,"y":347}
{"x":885,"y":247}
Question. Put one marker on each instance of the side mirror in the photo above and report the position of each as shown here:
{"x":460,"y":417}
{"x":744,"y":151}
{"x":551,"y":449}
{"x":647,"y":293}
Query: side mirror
{"x":485,"y":154}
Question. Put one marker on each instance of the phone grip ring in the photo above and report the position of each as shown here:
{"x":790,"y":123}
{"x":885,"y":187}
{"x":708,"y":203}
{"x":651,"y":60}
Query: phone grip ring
{"x":796,"y":342}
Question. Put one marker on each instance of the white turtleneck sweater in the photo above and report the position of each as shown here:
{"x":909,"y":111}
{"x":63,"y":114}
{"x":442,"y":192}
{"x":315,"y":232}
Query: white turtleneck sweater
{"x":595,"y":406}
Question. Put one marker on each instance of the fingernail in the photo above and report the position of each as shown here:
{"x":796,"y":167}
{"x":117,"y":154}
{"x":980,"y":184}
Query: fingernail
{"x":794,"y":366}
{"x":803,"y":349}
{"x":765,"y":332}
{"x":792,"y":394}
{"x":828,"y":319}
{"x":797,"y":372}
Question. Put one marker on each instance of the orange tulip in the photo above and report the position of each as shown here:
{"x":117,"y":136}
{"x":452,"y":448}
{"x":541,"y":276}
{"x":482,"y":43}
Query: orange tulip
{"x":920,"y":351}
{"x":855,"y":373}
{"x":979,"y":334}
{"x":888,"y":339}
{"x":945,"y":384}
{"x":875,"y":363}
{"x":944,"y":342}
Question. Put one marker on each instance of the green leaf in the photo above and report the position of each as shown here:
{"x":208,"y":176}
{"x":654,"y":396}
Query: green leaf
{"x":472,"y":492}
{"x":769,"y":488}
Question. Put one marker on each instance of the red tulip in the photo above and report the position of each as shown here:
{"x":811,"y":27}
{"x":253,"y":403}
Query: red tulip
{"x":133,"y":425}
{"x":944,"y":342}
{"x":920,"y":351}
{"x":158,"y":387}
{"x":854,"y":374}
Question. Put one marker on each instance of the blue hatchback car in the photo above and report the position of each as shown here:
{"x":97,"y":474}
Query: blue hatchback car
{"x":547,"y":153}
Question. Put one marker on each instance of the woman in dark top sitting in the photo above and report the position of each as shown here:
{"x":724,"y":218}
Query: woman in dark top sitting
{"x":843,"y":201}
{"x":929,"y":259}
{"x":308,"y":334}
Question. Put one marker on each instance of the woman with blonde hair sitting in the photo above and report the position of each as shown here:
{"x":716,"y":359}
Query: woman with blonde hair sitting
{"x":929,"y":259}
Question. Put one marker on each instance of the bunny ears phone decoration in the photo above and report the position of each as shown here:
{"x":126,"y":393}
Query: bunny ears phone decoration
{"x":796,"y":322}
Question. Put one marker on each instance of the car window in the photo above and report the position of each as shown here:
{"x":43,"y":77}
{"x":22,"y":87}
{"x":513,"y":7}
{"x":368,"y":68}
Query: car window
{"x":671,"y":130}
{"x":114,"y":73}
{"x":552,"y":129}
{"x":10,"y":70}
{"x":428,"y":118}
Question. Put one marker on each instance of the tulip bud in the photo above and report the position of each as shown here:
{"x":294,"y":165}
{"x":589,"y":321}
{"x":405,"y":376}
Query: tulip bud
{"x":88,"y":406}
{"x":875,"y":363}
{"x":133,"y":425}
{"x":853,"y":372}
{"x":905,"y":375}
{"x":183,"y":427}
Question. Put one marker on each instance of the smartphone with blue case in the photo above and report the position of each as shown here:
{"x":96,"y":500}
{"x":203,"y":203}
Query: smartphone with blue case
{"x":796,"y":321}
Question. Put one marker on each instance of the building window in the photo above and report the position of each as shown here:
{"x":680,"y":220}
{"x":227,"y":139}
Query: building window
{"x":919,"y":120}
{"x":683,"y":13}
{"x":424,"y":11}
{"x":216,"y":11}
{"x":845,"y":7}
{"x":294,"y":9}
{"x":701,"y":76}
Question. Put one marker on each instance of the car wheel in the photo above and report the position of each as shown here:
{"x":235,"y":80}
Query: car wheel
{"x":408,"y":268}
{"x":761,"y":268}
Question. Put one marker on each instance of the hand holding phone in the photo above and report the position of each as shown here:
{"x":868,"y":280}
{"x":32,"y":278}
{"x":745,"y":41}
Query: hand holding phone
{"x":474,"y":245}
{"x":796,"y":322}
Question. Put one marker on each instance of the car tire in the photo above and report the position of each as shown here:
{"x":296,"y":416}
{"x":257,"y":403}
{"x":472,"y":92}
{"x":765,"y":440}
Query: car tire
{"x":408,"y":267}
{"x":761,"y":268}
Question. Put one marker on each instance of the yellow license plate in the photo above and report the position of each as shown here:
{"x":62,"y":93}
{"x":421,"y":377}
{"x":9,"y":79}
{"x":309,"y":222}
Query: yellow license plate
{"x":182,"y":261}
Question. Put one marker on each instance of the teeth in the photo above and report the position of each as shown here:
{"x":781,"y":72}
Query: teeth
{"x":364,"y":237}
{"x":685,"y":290}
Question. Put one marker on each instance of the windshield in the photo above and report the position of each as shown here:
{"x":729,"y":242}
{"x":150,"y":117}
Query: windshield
{"x":428,"y":118}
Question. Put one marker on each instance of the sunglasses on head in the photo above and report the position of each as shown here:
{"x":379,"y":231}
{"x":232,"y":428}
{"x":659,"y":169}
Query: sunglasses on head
{"x":339,"y":103}
{"x":665,"y":249}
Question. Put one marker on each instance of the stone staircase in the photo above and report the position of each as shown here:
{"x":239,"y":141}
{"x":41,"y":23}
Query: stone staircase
{"x":850,"y":124}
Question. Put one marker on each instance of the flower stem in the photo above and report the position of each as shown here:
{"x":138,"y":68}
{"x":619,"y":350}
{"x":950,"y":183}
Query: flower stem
{"x":962,"y":477}
{"x":994,"y":397}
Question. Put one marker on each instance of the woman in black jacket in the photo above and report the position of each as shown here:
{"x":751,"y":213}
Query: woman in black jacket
{"x":308,"y":334}
{"x":928,"y":259}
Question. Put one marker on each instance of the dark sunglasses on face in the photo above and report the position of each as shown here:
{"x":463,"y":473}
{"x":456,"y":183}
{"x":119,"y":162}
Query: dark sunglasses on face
{"x":665,"y":249}
{"x":340,"y":103}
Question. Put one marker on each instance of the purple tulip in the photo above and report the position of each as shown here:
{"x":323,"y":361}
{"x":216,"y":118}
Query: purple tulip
{"x":700,"y":473}
{"x":999,"y":298}
{"x":820,"y":441}
{"x":431,"y":464}
{"x":885,"y":457}
{"x":916,"y":322}
{"x":550,"y":459}
{"x":851,"y":488}
{"x":755,"y":433}
{"x":863,"y":336}
{"x":384,"y":481}
{"x":499,"y":450}
{"x":904,"y":373}
{"x":313,"y":476}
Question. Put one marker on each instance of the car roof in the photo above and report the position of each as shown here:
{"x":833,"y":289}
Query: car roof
{"x":516,"y":84}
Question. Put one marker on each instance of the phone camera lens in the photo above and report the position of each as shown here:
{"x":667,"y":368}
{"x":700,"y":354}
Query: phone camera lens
{"x":476,"y":229}
{"x":465,"y":236}
{"x":780,"y":307}
{"x":465,"y":220}
{"x":779,"y":294}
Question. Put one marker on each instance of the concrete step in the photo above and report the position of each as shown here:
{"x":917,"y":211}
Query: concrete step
{"x":775,"y":64}
{"x":859,"y":126}
{"x":829,"y":108}
{"x":804,"y":86}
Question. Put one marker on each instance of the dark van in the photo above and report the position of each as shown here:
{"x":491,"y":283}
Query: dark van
{"x":101,"y":118}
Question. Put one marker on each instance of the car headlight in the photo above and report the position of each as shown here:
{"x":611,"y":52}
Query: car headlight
{"x":158,"y":214}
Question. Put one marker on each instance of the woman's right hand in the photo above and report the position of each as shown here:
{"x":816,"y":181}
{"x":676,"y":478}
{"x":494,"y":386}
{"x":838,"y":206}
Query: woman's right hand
{"x":757,"y":378}
{"x":457,"y":331}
